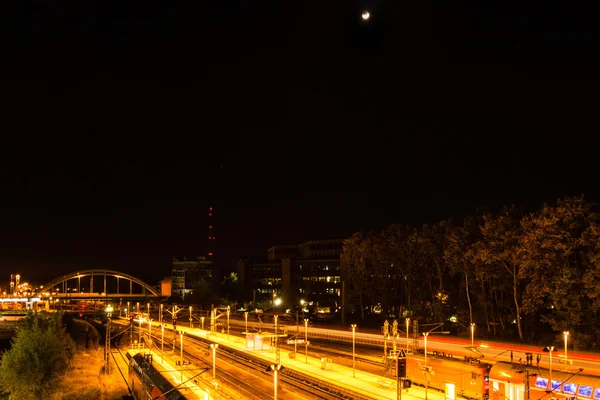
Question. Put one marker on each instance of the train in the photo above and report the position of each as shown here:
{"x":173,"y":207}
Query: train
{"x":146,"y":382}
{"x":472,"y":378}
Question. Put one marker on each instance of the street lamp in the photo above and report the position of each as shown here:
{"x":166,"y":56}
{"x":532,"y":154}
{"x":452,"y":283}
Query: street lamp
{"x":160,"y":311}
{"x":425,"y":334}
{"x":148,"y":310}
{"x":550,"y":349}
{"x":277,"y":302}
{"x":472,"y":334}
{"x":181,"y":351}
{"x":353,"y":350}
{"x":162,"y":342}
{"x":306,"y":339}
{"x":149,"y":332}
{"x":275,"y":368}
{"x":407,"y":328}
{"x":202,"y":319}
{"x":140,"y":335}
{"x":246,"y":317}
{"x":191,"y":323}
{"x":276,"y":341}
{"x":214,"y":346}
{"x":566,"y":335}
{"x":128,"y":311}
{"x":228,"y":311}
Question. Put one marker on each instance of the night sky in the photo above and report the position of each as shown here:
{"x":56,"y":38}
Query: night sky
{"x":121,"y":124}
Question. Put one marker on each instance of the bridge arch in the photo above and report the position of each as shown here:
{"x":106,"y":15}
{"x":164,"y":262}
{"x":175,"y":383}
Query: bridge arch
{"x":100,"y":273}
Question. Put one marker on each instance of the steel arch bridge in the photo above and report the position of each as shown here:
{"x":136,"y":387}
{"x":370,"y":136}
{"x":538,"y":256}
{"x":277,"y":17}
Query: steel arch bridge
{"x":70,"y":285}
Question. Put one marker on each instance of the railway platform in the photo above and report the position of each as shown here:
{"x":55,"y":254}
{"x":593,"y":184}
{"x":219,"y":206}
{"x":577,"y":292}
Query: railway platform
{"x":364,"y":383}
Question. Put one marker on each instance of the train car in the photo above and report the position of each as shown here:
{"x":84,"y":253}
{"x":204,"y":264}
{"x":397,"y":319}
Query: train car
{"x":512,"y":380}
{"x":464,"y":377}
{"x":146,"y":382}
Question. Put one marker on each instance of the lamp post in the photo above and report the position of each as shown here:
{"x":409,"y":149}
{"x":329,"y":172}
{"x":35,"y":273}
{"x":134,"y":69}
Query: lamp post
{"x":275,"y":368}
{"x":353,"y":350}
{"x":149,"y":333}
{"x":140,"y":335}
{"x":472,"y":334}
{"x":228,"y":311}
{"x":191,"y":322}
{"x":407,"y":328}
{"x":306,"y":339}
{"x":425,"y":334}
{"x":181,"y":352}
{"x":214,"y":346}
{"x":566,"y":335}
{"x":160,"y":311}
{"x":128,"y":311}
{"x":550,"y":349}
{"x":137,"y":307}
{"x":162,"y":342}
{"x":202,"y":319}
{"x":148,"y":310}
{"x":276,"y":341}
{"x":246,"y":317}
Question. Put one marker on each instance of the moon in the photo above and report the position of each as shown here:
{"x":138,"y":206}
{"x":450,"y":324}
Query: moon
{"x":365,"y":15}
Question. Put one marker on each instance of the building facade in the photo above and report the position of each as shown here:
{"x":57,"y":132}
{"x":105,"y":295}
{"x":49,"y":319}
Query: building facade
{"x":313,"y":271}
{"x":187,"y":273}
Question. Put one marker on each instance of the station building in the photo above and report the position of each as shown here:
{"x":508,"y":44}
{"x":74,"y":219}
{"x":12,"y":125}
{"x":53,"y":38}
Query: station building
{"x":312,"y":271}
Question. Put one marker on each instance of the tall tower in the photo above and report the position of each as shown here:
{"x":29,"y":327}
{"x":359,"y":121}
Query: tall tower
{"x":211,"y":238}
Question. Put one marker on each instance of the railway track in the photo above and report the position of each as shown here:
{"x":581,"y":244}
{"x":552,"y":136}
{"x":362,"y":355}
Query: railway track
{"x":247,"y":374}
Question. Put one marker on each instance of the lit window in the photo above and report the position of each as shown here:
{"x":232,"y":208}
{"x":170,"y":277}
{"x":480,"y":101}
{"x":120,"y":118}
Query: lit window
{"x":570,"y":388}
{"x":585,"y":391}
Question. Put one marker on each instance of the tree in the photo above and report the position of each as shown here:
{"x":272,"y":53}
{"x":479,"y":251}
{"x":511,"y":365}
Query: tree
{"x":38,"y":358}
{"x":459,"y":253}
{"x":353,"y":249}
{"x":551,"y":249}
{"x":498,"y":251}
{"x":229,"y":287}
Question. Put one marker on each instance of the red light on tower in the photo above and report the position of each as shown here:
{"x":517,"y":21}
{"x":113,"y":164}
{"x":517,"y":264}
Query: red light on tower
{"x":210,"y":254}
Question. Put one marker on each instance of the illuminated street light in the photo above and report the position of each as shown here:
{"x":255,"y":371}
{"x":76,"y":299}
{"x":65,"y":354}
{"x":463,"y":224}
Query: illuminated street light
{"x":140,"y":335}
{"x":566,"y":335}
{"x":148,"y":310}
{"x":160,"y":312}
{"x":214,"y":346}
{"x":162,"y":342}
{"x":472,"y":334}
{"x":202,"y":319}
{"x":149,"y":331}
{"x":228,"y":311}
{"x":246,"y":317}
{"x":306,"y":339}
{"x":276,"y":302}
{"x":550,"y":349}
{"x":353,"y":350}
{"x":407,"y":328}
{"x":191,"y":322}
{"x":181,"y":351}
{"x":275,"y":368}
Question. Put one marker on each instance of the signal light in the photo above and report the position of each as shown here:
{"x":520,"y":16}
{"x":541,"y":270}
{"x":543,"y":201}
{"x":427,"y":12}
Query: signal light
{"x":401,"y":372}
{"x":131,"y":318}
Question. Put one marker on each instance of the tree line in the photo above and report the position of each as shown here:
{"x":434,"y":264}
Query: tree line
{"x":510,"y":272}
